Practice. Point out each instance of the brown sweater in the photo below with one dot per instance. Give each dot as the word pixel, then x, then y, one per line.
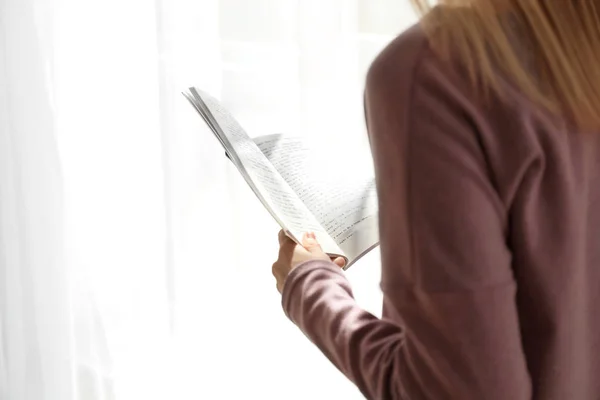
pixel 490 258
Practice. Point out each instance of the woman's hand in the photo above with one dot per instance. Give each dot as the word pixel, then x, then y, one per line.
pixel 291 255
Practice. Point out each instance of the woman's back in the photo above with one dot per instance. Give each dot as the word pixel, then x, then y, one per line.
pixel 484 124
pixel 490 245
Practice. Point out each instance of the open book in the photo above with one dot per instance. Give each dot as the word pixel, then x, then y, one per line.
pixel 304 188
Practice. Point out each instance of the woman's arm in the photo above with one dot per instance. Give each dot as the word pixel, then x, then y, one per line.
pixel 450 328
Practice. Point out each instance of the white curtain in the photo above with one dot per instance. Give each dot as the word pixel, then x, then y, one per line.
pixel 134 261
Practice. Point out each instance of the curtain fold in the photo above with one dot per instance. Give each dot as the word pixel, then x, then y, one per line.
pixel 35 318
pixel 134 260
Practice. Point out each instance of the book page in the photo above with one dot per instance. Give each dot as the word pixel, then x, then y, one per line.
pixel 266 182
pixel 339 190
pixel 206 116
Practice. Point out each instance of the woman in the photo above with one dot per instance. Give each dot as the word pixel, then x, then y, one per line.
pixel 484 124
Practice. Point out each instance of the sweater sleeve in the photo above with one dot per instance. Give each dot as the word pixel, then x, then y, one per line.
pixel 450 328
pixel 318 298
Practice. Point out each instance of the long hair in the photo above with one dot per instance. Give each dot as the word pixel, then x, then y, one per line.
pixel 549 49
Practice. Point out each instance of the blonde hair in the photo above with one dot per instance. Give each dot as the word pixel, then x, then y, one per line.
pixel 549 49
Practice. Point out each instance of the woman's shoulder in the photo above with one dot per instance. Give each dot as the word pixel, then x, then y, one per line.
pixel 409 62
pixel 409 67
pixel 399 59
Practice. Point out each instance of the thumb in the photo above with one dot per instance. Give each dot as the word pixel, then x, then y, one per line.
pixel 339 261
pixel 309 241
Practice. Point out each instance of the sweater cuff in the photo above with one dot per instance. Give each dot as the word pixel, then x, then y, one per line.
pixel 299 273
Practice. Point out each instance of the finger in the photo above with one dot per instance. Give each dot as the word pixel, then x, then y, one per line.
pixel 286 248
pixel 339 261
pixel 278 274
pixel 309 241
pixel 283 237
